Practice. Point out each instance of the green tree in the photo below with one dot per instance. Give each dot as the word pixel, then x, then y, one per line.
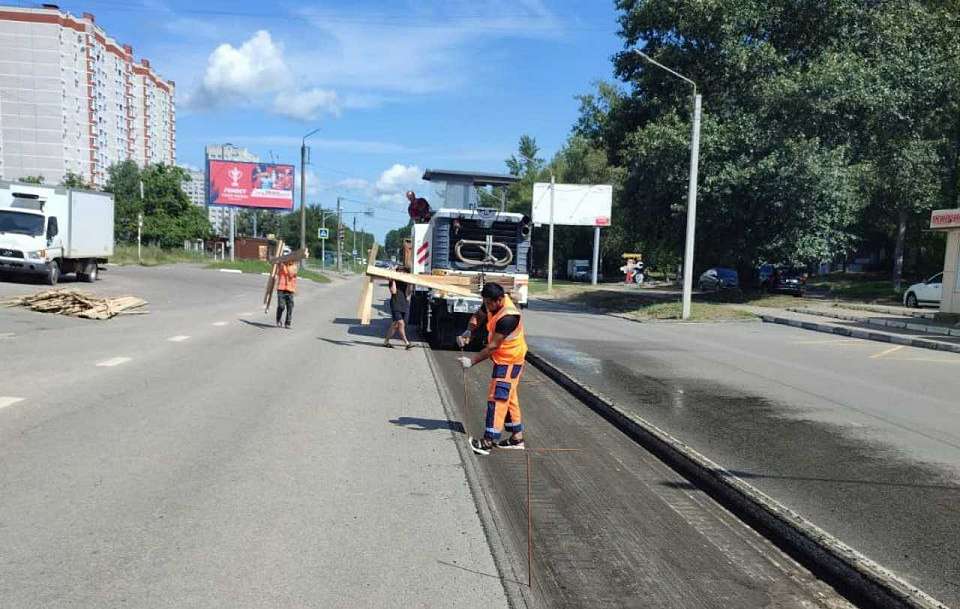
pixel 38 179
pixel 74 180
pixel 169 218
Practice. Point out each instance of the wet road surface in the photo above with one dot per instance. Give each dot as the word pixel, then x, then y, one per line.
pixel 612 525
pixel 860 438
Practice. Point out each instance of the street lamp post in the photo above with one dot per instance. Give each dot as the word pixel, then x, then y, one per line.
pixel 691 189
pixel 303 191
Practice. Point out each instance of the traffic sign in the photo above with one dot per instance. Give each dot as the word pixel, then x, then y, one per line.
pixel 323 233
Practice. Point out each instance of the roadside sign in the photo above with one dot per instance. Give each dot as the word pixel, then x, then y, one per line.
pixel 323 233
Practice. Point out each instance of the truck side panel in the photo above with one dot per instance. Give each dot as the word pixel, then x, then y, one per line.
pixel 90 230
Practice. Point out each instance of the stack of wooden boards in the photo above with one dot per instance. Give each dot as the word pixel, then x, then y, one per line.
pixel 78 304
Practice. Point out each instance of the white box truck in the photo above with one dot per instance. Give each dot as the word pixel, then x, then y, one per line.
pixel 50 230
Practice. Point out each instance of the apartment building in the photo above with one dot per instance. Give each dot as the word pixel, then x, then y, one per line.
pixel 73 99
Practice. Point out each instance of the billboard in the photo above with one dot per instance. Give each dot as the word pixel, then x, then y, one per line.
pixel 240 184
pixel 573 204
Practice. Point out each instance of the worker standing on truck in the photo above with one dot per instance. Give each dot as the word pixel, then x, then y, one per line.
pixel 286 288
pixel 507 348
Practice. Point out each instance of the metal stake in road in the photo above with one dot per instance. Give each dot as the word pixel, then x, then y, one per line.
pixel 303 192
pixel 691 190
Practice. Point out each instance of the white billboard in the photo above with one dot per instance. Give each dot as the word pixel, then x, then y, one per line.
pixel 573 204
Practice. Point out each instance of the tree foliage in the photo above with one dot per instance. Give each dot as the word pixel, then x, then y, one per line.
pixel 825 124
pixel 169 218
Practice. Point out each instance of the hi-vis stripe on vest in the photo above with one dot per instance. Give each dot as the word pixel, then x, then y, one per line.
pixel 514 347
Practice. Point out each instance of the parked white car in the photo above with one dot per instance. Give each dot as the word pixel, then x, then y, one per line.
pixel 927 293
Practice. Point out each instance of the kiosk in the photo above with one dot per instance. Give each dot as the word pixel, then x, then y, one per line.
pixel 948 220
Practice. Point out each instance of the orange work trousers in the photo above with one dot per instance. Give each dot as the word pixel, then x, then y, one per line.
pixel 503 403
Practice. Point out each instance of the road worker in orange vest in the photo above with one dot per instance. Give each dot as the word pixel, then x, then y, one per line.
pixel 286 288
pixel 507 348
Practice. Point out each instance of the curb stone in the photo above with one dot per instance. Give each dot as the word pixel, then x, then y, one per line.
pixel 884 323
pixel 863 580
pixel 883 337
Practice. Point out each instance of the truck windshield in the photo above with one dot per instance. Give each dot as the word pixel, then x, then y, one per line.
pixel 21 223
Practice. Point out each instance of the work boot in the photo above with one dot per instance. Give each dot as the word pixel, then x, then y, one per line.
pixel 512 443
pixel 483 446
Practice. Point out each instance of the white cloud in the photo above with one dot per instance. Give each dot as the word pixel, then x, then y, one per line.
pixel 245 72
pixel 393 183
pixel 306 105
pixel 358 184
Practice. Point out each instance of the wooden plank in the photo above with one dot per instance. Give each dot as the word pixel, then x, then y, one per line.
pixel 367 304
pixel 272 280
pixel 291 257
pixel 421 280
pixel 364 307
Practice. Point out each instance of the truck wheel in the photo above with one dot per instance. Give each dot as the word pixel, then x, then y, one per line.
pixel 91 273
pixel 53 273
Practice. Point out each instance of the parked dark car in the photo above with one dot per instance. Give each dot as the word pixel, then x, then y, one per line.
pixel 718 279
pixel 788 281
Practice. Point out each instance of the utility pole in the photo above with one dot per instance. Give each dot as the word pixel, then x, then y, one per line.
pixel 691 187
pixel 339 241
pixel 303 192
pixel 553 187
pixel 691 207
pixel 354 239
pixel 323 242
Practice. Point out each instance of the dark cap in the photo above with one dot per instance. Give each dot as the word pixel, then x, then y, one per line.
pixel 493 291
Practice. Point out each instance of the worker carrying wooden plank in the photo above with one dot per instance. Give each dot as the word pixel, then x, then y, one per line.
pixel 507 348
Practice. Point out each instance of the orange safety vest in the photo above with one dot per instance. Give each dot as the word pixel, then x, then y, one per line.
pixel 513 349
pixel 287 277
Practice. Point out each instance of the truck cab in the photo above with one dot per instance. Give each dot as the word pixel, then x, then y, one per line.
pixel 469 241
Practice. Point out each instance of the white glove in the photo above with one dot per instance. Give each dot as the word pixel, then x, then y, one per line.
pixel 464 339
pixel 466 362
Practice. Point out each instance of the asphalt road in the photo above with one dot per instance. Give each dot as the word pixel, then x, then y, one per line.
pixel 612 525
pixel 862 438
pixel 198 456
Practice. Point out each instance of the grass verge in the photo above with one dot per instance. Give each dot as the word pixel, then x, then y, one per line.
pixel 153 256
pixel 641 308
pixel 261 266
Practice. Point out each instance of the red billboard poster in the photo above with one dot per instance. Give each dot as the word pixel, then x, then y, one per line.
pixel 240 184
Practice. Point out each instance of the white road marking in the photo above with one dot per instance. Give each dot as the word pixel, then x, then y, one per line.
pixel 220 323
pixel 230 271
pixel 829 341
pixel 6 400
pixel 178 339
pixel 5 335
pixel 116 361
pixel 886 352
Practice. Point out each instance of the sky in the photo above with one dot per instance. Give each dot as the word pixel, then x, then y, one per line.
pixel 394 87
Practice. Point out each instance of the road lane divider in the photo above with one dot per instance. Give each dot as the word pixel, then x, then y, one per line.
pixel 110 363
pixel 178 339
pixel 865 582
pixel 7 400
pixel 220 324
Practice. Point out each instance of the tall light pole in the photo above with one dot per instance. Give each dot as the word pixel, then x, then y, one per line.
pixel 303 191
pixel 691 188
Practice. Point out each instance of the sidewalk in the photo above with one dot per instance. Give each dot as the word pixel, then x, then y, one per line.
pixel 869 326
